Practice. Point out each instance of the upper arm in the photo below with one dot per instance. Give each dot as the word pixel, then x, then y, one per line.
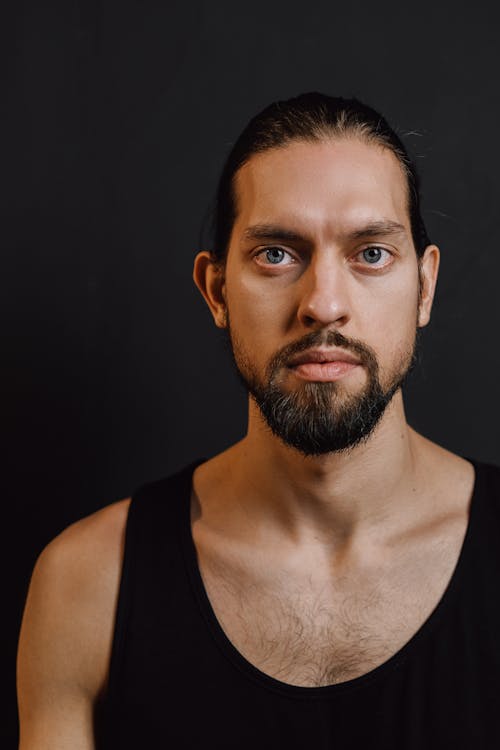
pixel 66 633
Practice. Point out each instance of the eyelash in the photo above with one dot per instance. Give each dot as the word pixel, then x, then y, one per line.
pixel 367 265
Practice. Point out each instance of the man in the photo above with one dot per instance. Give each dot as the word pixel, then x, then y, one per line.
pixel 330 580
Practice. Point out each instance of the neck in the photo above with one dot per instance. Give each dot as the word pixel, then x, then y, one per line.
pixel 334 497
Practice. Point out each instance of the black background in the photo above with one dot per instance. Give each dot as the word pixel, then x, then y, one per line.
pixel 117 116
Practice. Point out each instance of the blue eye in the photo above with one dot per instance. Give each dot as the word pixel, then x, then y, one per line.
pixel 372 254
pixel 274 254
pixel 375 256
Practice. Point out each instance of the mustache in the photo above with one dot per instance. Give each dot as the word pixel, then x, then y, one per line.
pixel 362 351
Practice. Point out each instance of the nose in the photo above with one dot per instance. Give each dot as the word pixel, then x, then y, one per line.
pixel 324 296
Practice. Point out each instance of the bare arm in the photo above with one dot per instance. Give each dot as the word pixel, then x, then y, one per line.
pixel 66 633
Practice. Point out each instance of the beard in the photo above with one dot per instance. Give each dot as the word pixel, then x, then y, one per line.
pixel 317 418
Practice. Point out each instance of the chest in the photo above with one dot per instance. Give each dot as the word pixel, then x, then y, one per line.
pixel 307 629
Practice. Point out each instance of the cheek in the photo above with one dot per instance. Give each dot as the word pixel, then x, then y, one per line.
pixel 256 308
pixel 390 321
pixel 249 321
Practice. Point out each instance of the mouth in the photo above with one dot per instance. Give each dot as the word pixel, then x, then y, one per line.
pixel 323 371
pixel 323 365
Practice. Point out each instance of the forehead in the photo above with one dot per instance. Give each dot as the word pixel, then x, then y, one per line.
pixel 328 186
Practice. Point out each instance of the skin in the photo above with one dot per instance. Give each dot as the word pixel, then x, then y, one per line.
pixel 329 514
pixel 324 192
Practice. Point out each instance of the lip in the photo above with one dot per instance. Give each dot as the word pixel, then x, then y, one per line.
pixel 323 372
pixel 320 356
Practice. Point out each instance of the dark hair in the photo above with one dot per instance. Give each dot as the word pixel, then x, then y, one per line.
pixel 310 117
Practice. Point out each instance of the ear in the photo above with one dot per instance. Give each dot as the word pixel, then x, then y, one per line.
pixel 429 267
pixel 209 278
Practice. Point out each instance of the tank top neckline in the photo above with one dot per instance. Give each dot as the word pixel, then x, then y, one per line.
pixel 252 672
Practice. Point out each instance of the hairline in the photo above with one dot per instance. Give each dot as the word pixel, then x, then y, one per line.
pixel 319 135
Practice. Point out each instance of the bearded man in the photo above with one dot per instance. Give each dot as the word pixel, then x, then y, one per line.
pixel 329 580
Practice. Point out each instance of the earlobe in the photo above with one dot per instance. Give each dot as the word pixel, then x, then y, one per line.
pixel 209 278
pixel 429 267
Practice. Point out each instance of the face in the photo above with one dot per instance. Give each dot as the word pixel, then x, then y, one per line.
pixel 321 258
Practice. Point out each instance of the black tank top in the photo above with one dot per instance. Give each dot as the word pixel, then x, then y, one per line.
pixel 176 681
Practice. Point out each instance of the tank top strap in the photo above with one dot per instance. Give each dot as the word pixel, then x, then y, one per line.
pixel 490 477
pixel 153 570
pixel 157 506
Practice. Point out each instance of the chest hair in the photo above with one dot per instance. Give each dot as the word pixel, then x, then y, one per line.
pixel 308 631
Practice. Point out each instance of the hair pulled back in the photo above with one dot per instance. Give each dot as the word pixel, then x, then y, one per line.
pixel 310 117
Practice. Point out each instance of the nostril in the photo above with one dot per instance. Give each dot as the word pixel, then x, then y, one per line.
pixel 324 314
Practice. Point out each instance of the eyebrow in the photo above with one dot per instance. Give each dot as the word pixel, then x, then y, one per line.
pixel 275 232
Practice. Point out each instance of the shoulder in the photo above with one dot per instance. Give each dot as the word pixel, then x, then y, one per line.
pixel 100 533
pixel 67 630
pixel 460 477
pixel 67 626
pixel 82 563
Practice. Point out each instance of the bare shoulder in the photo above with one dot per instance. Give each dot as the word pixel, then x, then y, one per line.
pixel 92 541
pixel 450 474
pixel 75 580
pixel 67 628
